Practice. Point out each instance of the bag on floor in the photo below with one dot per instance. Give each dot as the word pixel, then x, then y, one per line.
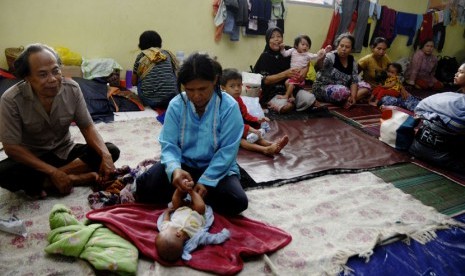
pixel 446 69
pixel 251 84
pixel 397 127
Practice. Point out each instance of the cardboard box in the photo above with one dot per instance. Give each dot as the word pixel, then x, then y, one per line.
pixel 71 71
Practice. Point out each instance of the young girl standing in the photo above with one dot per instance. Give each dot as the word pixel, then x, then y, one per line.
pixel 300 58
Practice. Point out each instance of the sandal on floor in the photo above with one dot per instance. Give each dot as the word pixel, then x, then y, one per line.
pixel 348 105
pixel 319 108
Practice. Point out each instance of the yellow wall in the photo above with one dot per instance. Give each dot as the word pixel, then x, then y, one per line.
pixel 111 28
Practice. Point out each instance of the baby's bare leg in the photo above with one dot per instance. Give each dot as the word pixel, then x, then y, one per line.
pixel 289 89
pixel 178 199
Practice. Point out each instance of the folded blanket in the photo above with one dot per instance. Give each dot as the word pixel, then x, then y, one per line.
pixel 101 247
pixel 249 238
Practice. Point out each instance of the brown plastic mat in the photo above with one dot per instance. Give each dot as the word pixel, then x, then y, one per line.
pixel 316 146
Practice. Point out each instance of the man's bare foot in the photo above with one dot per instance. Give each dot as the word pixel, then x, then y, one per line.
pixel 41 195
pixel 84 179
pixel 281 144
pixel 374 103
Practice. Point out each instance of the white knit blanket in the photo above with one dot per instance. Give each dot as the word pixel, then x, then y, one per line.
pixel 334 217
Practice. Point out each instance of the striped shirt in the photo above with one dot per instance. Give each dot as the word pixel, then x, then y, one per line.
pixel 159 86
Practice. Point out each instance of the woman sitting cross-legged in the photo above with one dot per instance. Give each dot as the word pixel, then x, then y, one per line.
pixel 338 81
pixel 276 69
pixel 199 143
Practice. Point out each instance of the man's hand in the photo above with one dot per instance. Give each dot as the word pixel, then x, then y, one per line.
pixel 107 168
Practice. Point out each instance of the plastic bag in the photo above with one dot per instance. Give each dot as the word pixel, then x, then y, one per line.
pixel 253 106
pixel 69 57
pixel 446 69
pixel 311 75
pixel 13 225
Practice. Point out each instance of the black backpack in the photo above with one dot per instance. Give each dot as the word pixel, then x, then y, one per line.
pixel 446 69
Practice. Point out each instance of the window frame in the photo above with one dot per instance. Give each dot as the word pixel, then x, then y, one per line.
pixel 312 3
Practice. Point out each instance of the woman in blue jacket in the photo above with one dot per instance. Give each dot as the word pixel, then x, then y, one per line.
pixel 199 143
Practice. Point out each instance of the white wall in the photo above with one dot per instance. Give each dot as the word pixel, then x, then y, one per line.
pixel 111 28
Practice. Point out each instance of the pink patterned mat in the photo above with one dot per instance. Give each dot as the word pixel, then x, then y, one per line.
pixel 330 218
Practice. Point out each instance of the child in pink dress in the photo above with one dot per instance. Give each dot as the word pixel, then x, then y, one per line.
pixel 300 58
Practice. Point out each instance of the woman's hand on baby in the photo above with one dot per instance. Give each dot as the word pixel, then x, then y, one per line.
pixel 182 180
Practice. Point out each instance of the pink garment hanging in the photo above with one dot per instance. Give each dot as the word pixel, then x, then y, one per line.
pixel 426 29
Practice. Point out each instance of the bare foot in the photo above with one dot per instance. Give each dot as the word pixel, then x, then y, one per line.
pixel 281 144
pixel 271 150
pixel 84 179
pixel 41 195
pixel 373 103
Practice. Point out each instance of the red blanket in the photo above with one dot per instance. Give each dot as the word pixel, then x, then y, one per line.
pixel 137 223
